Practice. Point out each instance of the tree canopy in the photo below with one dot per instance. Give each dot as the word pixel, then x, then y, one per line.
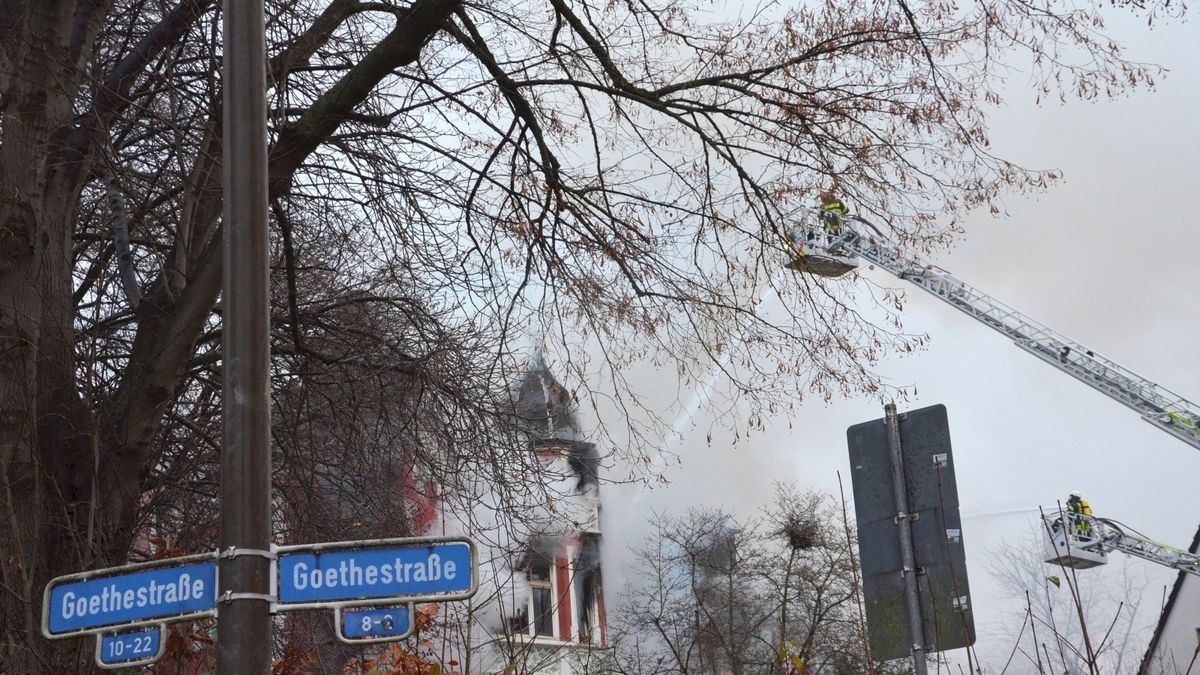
pixel 449 182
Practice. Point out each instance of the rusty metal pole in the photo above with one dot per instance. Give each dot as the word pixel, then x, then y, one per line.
pixel 244 610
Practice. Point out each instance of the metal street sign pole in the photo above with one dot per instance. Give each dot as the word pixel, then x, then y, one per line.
pixel 903 522
pixel 244 627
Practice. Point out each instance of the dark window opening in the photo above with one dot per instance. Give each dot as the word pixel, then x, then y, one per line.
pixel 541 595
pixel 519 622
pixel 585 594
pixel 587 589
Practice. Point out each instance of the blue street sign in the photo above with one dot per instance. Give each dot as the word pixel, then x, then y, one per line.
pixel 375 625
pixel 356 572
pixel 128 649
pixel 140 593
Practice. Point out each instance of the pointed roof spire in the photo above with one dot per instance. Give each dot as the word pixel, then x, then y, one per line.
pixel 543 404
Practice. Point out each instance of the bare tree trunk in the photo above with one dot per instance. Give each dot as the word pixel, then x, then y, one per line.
pixel 45 449
pixel 48 451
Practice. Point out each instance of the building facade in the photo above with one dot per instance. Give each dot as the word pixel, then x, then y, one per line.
pixel 1175 646
pixel 559 627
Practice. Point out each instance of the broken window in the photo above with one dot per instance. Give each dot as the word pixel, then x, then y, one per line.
pixel 541 595
pixel 538 616
pixel 587 590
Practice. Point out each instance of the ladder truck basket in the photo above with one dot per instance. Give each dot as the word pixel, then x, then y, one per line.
pixel 817 251
pixel 1074 541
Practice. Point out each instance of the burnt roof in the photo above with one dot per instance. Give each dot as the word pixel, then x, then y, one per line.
pixel 543 406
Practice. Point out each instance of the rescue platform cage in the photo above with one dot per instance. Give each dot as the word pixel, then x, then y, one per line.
pixel 818 249
pixel 1073 540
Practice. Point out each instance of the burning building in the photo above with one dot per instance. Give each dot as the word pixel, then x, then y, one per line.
pixel 540 607
pixel 563 565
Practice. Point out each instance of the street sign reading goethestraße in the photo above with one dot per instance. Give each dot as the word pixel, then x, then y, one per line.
pixel 346 573
pixel 370 572
pixel 138 594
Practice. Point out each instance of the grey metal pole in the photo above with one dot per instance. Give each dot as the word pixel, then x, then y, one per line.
pixel 244 612
pixel 904 522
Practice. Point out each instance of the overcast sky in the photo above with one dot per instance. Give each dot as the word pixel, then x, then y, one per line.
pixel 1108 258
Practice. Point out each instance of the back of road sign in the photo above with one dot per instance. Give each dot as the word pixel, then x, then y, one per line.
pixel 937 534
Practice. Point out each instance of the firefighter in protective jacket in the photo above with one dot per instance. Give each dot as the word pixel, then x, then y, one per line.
pixel 1076 504
pixel 833 213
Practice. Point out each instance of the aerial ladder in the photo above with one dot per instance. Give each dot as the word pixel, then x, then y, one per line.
pixel 831 245
pixel 1082 541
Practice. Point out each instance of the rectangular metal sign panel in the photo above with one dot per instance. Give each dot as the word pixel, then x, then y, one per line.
pixel 346 573
pixel 130 649
pixel 374 624
pixel 932 494
pixel 167 590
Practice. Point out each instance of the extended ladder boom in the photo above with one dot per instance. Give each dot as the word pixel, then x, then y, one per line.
pixel 1164 409
pixel 1086 541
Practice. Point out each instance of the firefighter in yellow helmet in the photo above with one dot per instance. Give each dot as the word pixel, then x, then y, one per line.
pixel 1077 504
pixel 833 213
